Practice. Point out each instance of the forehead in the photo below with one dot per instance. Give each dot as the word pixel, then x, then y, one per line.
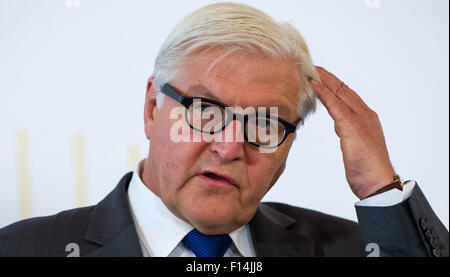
pixel 243 80
pixel 200 90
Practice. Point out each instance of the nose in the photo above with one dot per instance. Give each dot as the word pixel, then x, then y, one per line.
pixel 228 145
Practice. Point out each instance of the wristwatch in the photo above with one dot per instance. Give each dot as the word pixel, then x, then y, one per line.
pixel 396 184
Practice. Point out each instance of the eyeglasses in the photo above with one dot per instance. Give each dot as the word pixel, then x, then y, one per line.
pixel 264 131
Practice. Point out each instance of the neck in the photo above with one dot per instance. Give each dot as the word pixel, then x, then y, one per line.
pixel 146 176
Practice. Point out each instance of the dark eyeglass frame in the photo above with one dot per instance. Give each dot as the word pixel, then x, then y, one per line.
pixel 188 101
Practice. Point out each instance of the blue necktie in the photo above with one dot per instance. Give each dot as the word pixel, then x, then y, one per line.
pixel 205 245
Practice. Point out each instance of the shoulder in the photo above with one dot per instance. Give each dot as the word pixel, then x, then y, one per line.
pixel 332 233
pixel 40 235
pixel 315 219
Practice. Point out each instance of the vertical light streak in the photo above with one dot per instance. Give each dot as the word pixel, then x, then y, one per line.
pixel 23 171
pixel 79 170
pixel 133 157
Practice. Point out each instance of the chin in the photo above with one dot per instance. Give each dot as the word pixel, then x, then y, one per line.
pixel 214 221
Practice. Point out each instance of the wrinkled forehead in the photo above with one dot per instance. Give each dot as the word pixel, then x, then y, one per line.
pixel 244 80
pixel 256 105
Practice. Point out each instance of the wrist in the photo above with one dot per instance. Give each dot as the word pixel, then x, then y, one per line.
pixel 395 184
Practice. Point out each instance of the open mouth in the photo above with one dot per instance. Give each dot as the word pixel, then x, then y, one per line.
pixel 218 178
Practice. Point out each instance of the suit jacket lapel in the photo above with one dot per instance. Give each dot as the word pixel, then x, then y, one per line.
pixel 271 238
pixel 112 226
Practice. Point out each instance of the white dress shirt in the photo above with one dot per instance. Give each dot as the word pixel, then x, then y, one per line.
pixel 160 232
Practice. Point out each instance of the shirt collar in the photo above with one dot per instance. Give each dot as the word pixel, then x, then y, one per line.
pixel 160 230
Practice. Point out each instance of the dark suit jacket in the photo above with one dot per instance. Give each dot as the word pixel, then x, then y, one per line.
pixel 107 229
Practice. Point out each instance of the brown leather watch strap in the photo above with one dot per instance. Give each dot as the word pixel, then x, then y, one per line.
pixel 397 184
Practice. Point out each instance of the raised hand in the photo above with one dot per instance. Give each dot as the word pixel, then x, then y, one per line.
pixel 366 159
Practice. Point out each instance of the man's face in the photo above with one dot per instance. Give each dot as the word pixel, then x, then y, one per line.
pixel 175 170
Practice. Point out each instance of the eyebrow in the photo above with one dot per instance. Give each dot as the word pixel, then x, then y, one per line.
pixel 202 91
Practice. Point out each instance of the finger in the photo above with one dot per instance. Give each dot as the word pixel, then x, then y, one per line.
pixel 342 91
pixel 337 109
pixel 328 79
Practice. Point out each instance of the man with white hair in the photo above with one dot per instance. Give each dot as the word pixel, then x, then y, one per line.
pixel 238 85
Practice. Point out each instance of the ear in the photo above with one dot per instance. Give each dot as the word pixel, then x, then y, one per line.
pixel 150 107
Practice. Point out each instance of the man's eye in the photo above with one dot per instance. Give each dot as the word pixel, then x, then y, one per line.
pixel 265 123
pixel 201 108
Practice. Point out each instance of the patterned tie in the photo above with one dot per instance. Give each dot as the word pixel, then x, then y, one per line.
pixel 207 246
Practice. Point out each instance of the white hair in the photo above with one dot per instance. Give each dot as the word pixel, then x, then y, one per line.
pixel 231 27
